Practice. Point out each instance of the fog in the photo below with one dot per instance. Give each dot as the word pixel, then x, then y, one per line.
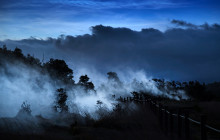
pixel 20 82
pixel 184 52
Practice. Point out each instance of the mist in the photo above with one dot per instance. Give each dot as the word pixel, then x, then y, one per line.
pixel 23 83
pixel 188 53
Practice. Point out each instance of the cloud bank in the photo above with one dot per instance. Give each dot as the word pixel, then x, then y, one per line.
pixel 189 53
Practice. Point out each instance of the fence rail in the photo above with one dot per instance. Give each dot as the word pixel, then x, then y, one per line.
pixel 163 114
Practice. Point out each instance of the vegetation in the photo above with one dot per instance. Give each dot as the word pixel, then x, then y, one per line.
pixel 122 118
pixel 84 82
pixel 61 73
pixel 194 89
pixel 60 103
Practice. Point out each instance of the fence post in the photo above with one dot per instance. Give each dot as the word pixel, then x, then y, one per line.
pixel 187 125
pixel 154 107
pixel 179 123
pixel 151 105
pixel 138 99
pixel 165 119
pixel 171 122
pixel 203 128
pixel 160 115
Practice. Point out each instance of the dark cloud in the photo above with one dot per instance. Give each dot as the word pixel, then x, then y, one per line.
pixel 205 26
pixel 177 54
pixel 183 23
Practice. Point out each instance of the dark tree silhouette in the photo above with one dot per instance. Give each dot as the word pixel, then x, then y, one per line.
pixel 160 83
pixel 84 81
pixel 99 104
pixel 197 90
pixel 60 70
pixel 25 110
pixel 60 103
pixel 33 61
pixel 18 52
pixel 4 48
pixel 113 77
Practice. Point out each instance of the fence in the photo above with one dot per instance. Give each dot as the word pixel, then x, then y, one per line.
pixel 166 116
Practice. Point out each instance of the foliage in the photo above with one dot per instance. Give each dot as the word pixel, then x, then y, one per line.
pixel 25 107
pixel 60 70
pixel 193 89
pixel 57 69
pixel 113 76
pixel 99 104
pixel 25 110
pixel 84 81
pixel 60 103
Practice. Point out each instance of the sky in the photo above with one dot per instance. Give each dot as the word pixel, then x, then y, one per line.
pixel 170 39
pixel 21 19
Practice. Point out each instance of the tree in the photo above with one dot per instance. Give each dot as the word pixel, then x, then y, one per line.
pixel 18 53
pixel 113 77
pixel 25 107
pixel 60 103
pixel 84 81
pixel 33 61
pixel 59 69
pixel 99 104
pixel 4 48
pixel 25 110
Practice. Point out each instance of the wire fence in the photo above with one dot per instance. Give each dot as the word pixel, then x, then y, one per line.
pixel 164 115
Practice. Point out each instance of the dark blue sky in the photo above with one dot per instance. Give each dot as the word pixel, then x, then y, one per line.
pixel 49 18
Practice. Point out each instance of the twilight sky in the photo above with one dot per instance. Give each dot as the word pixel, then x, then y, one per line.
pixel 21 19
pixel 171 39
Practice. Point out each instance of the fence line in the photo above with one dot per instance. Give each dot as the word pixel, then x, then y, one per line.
pixel 186 118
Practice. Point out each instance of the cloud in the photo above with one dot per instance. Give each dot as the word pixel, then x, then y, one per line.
pixel 111 4
pixel 183 23
pixel 176 54
pixel 94 4
pixel 206 26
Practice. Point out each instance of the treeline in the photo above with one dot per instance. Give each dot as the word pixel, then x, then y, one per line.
pixel 194 89
pixel 59 70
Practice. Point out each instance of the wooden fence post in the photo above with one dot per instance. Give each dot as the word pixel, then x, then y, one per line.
pixel 203 128
pixel 160 115
pixel 154 107
pixel 165 119
pixel 151 105
pixel 171 122
pixel 187 125
pixel 179 123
